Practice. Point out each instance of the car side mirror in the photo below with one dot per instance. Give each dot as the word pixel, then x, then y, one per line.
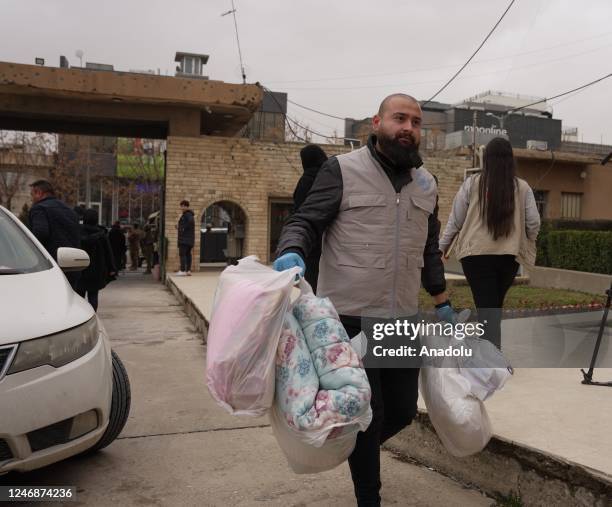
pixel 72 259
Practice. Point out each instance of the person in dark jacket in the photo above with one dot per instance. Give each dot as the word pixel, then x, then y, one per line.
pixel 118 244
pixel 186 238
pixel 53 223
pixel 101 267
pixel 377 207
pixel 313 157
pixel 134 238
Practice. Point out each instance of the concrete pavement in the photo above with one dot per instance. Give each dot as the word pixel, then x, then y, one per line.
pixel 546 410
pixel 180 448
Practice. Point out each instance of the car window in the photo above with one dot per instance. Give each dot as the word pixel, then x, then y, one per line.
pixel 18 254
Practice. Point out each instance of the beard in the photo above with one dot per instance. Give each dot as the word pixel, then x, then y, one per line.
pixel 401 149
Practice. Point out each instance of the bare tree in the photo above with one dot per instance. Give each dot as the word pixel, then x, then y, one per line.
pixel 140 173
pixel 296 132
pixel 22 154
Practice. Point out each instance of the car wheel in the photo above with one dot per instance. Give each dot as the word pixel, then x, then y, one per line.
pixel 120 405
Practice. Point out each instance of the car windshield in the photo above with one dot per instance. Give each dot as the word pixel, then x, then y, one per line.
pixel 17 252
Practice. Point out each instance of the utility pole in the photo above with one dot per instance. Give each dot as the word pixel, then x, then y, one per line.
pixel 88 176
pixel 474 139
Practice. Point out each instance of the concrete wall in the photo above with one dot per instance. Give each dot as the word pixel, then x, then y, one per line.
pixel 567 279
pixel 48 99
pixel 597 188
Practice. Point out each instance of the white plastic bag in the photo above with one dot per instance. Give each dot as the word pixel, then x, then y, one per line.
pixel 485 381
pixel 459 418
pixel 487 370
pixel 304 458
pixel 247 316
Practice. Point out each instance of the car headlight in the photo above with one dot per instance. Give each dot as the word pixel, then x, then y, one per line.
pixel 58 349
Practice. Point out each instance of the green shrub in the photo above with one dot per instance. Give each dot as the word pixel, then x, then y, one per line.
pixel 564 224
pixel 579 250
pixel 542 244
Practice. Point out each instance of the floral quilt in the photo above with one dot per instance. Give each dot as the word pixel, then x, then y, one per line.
pixel 321 386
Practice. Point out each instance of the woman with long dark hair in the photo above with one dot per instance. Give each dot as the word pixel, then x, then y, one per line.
pixel 496 219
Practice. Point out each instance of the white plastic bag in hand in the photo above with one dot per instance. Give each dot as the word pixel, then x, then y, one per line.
pixel 247 316
pixel 460 419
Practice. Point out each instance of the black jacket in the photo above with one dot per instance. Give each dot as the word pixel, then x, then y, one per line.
pixel 304 227
pixel 186 229
pixel 101 262
pixel 313 157
pixel 117 241
pixel 55 225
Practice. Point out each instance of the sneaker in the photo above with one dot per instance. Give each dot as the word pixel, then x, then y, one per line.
pixel 188 273
pixel 180 273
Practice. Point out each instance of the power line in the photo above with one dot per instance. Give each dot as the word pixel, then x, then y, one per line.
pixel 561 94
pixel 466 76
pixel 508 112
pixel 426 69
pixel 288 119
pixel 473 54
pixel 314 110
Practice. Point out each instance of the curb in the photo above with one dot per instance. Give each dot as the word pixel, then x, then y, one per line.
pixel 192 311
pixel 507 469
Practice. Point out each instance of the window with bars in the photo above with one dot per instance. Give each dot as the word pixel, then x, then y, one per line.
pixel 571 205
pixel 541 199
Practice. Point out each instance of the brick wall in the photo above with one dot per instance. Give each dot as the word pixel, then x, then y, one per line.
pixel 449 169
pixel 249 173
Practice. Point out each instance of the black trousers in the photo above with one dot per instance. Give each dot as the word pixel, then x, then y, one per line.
pixel 490 277
pixel 92 295
pixel 73 279
pixel 394 406
pixel 185 256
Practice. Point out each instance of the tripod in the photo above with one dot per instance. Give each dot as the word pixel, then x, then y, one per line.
pixel 588 376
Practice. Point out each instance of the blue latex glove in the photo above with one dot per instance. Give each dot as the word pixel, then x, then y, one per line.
pixel 448 314
pixel 289 260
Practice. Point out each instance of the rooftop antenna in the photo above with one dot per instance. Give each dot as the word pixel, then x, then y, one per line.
pixel 79 54
pixel 233 13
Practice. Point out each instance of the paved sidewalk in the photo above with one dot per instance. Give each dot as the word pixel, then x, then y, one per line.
pixel 546 409
pixel 179 448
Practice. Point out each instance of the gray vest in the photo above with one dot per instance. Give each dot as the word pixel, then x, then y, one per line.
pixel 372 254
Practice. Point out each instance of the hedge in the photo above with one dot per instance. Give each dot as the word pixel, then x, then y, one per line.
pixel 550 225
pixel 589 251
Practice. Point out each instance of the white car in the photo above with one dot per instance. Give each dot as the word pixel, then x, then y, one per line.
pixel 62 390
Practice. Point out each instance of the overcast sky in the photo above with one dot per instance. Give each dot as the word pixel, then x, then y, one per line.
pixel 342 57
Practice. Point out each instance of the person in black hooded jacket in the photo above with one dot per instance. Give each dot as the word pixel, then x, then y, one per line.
pixel 102 268
pixel 313 157
pixel 186 238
